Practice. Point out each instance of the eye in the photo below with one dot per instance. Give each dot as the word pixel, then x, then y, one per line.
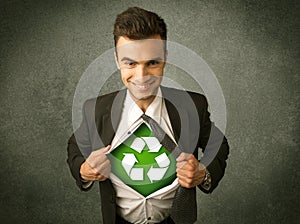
pixel 153 62
pixel 130 63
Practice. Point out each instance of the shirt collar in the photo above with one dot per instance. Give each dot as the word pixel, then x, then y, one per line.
pixel 154 109
pixel 133 112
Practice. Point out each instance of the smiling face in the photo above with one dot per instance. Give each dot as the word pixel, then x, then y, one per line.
pixel 141 64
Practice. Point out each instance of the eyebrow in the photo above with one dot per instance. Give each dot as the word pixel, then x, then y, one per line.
pixel 153 59
pixel 127 59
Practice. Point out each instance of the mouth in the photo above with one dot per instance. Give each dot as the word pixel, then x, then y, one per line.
pixel 144 86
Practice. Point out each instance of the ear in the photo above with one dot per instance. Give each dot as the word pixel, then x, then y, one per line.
pixel 166 57
pixel 116 59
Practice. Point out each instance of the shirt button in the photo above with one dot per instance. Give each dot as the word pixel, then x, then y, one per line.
pixel 129 132
pixel 149 218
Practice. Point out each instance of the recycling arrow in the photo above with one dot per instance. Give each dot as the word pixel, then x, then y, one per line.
pixel 128 162
pixel 138 144
pixel 153 144
pixel 162 160
pixel 158 173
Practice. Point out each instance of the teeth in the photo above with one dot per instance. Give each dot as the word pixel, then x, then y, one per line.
pixel 142 86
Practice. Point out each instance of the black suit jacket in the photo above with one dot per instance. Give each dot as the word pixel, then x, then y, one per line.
pixel 190 123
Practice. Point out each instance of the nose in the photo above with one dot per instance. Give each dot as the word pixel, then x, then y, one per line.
pixel 141 71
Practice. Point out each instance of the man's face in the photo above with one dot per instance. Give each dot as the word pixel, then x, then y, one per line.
pixel 141 64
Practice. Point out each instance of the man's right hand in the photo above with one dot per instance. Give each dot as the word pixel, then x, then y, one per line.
pixel 97 166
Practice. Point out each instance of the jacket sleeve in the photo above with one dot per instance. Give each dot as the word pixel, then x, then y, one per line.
pixel 214 146
pixel 79 147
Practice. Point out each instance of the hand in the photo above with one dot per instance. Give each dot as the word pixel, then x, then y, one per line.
pixel 190 171
pixel 97 166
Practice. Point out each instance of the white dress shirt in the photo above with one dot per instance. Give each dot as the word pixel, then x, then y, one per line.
pixel 131 205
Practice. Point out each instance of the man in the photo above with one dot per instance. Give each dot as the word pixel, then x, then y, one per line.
pixel 141 53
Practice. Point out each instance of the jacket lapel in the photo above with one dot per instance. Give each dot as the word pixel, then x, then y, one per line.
pixel 172 112
pixel 111 117
pixel 181 111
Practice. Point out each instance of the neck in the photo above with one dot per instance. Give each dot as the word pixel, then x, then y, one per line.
pixel 144 103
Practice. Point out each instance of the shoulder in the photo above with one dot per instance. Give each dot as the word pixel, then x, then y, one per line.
pixel 104 101
pixel 108 98
pixel 183 95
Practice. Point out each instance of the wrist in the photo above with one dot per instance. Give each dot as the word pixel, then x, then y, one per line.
pixel 206 183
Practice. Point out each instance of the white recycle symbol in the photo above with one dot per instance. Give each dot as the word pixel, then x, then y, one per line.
pixel 138 173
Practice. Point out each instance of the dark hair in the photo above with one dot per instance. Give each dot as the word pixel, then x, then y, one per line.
pixel 137 24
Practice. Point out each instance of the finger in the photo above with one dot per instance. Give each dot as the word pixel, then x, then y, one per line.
pixel 102 166
pixel 97 158
pixel 106 149
pixel 86 171
pixel 180 165
pixel 185 166
pixel 97 176
pixel 202 166
pixel 193 162
pixel 93 172
pixel 183 157
pixel 104 173
pixel 101 151
pixel 106 170
pixel 191 174
pixel 183 174
pixel 190 182
pixel 95 162
pixel 90 177
pixel 187 184
pixel 101 177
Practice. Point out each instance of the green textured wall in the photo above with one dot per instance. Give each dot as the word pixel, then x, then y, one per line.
pixel 252 47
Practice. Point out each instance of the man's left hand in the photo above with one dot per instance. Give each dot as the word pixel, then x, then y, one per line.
pixel 190 171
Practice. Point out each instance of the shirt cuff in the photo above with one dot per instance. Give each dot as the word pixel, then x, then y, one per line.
pixel 86 183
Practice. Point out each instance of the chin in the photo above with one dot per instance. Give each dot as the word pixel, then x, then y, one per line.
pixel 143 96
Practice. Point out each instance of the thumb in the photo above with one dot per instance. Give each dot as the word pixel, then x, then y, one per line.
pixel 106 149
pixel 100 151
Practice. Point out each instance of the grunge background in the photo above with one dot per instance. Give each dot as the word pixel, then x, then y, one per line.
pixel 253 49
